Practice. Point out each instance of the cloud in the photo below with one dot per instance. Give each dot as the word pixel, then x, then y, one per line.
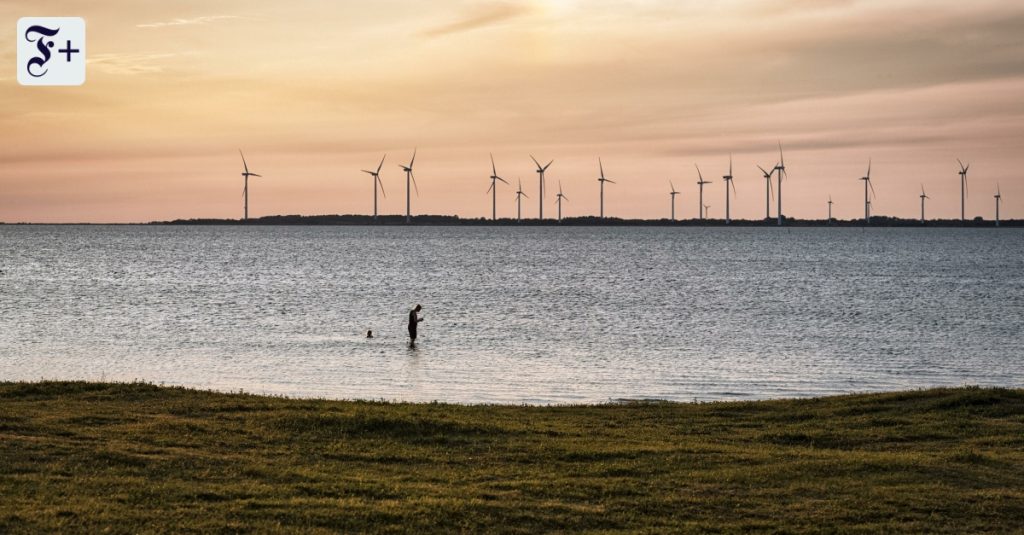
pixel 186 22
pixel 479 18
pixel 128 63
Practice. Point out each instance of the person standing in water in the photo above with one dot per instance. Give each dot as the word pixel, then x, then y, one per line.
pixel 414 320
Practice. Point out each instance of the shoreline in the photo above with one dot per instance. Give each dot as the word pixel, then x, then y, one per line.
pixel 690 399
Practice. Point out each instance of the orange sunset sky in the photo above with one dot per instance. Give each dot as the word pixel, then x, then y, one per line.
pixel 314 91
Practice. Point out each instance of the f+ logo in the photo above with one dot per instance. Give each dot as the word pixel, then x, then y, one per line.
pixel 38 37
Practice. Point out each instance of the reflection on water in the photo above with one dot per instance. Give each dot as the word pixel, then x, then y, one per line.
pixel 523 315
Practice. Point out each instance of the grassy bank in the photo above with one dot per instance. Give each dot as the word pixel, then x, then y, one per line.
pixel 130 458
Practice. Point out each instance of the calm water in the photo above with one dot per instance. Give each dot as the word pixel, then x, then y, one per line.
pixel 521 315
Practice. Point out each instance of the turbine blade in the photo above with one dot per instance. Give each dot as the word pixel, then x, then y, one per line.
pixel 490 188
pixel 254 174
pixel 733 183
pixel 870 185
pixel 368 172
pixel 730 164
pixel 381 163
pixel 502 179
pixel 869 168
pixel 961 164
pixel 494 170
pixel 381 186
pixel 700 176
pixel 414 184
pixel 548 165
pixel 245 165
pixel 771 190
pixel 413 161
pixel 535 161
pixel 601 166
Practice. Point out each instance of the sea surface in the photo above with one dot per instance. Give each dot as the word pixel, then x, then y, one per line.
pixel 515 315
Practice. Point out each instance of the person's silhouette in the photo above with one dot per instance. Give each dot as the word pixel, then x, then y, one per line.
pixel 414 320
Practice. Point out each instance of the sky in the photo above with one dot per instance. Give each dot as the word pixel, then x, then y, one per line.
pixel 316 91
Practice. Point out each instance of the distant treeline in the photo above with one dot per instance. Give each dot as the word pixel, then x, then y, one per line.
pixel 879 221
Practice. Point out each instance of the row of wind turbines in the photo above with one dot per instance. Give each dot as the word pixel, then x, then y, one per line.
pixel 778 171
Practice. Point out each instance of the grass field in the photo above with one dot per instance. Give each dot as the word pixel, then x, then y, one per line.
pixel 91 458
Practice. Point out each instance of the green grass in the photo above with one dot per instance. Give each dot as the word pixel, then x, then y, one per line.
pixel 91 458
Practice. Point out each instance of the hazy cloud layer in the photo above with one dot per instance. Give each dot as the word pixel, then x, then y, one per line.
pixel 479 17
pixel 186 22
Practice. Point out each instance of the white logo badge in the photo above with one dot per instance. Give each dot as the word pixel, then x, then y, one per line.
pixel 51 51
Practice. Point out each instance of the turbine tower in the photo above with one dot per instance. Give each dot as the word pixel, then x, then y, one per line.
pixel 602 180
pixel 673 196
pixel 245 190
pixel 410 180
pixel 963 187
pixel 707 207
pixel 728 182
pixel 519 202
pixel 561 196
pixel 923 197
pixel 376 181
pixel 540 171
pixel 867 200
pixel 999 198
pixel 493 190
pixel 700 184
pixel 781 168
pixel 768 195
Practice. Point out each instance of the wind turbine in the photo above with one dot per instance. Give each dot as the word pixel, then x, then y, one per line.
pixel 245 190
pixel 707 207
pixel 923 197
pixel 540 171
pixel 376 182
pixel 963 186
pixel 768 190
pixel 829 209
pixel 781 168
pixel 602 180
pixel 728 182
pixel 867 201
pixel 409 180
pixel 673 195
pixel 700 183
pixel 559 199
pixel 493 190
pixel 999 198
pixel 519 202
